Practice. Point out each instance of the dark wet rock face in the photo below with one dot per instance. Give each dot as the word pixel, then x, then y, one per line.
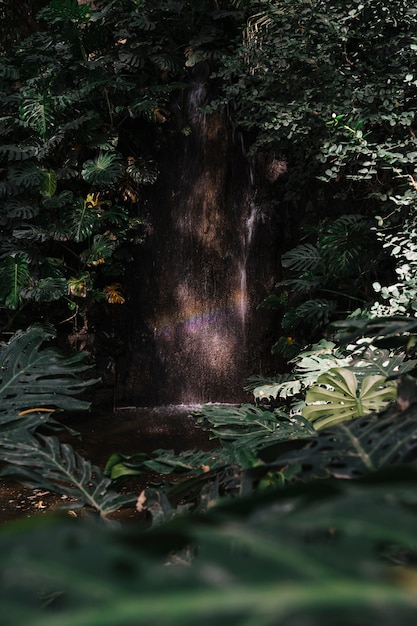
pixel 191 330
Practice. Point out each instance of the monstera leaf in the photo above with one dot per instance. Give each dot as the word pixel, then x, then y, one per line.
pixel 338 396
pixel 35 380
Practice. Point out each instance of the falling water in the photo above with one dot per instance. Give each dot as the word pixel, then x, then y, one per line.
pixel 247 234
pixel 190 344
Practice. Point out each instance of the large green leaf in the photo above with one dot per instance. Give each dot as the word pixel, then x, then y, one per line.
pixel 32 377
pixel 14 277
pixel 37 111
pixel 106 169
pixel 252 427
pixel 338 396
pixel 45 463
pixel 303 258
pixel 309 365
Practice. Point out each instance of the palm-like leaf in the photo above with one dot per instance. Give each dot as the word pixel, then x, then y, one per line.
pixel 342 244
pixel 34 377
pixel 80 220
pixel 47 289
pixel 100 251
pixel 386 331
pixel 142 171
pixel 45 463
pixel 26 174
pixel 338 396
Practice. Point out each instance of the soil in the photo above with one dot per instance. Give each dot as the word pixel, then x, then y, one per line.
pixel 129 431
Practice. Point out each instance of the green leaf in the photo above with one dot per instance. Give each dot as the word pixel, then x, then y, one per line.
pixel 34 377
pixel 337 397
pixel 80 220
pixel 14 277
pixel 46 290
pixel 106 169
pixel 45 463
pixel 253 428
pixel 49 184
pixel 36 110
pixel 303 258
pixel 270 559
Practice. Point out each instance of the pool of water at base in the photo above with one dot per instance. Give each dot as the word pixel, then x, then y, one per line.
pixel 128 430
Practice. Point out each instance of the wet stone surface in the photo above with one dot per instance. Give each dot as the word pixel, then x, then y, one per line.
pixel 129 431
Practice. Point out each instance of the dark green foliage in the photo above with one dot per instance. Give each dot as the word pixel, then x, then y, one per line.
pixel 43 462
pixel 253 427
pixel 350 121
pixel 35 382
pixel 392 332
pixel 329 88
pixel 83 102
pixel 362 445
pixel 34 377
pixel 335 552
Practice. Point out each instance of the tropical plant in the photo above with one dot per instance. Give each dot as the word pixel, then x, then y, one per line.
pixel 337 397
pixel 362 445
pixel 84 100
pixel 400 297
pixel 34 384
pixel 326 279
pixel 333 551
pixel 347 139
pixel 351 121
pixel 35 379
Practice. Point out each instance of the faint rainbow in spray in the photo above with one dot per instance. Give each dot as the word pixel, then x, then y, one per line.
pixel 192 319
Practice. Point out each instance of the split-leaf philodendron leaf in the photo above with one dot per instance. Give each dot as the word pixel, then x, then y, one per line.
pixel 338 396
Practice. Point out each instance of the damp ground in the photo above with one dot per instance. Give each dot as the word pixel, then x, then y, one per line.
pixel 129 431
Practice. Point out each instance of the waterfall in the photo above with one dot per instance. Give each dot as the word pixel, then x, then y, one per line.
pixel 195 294
pixel 247 235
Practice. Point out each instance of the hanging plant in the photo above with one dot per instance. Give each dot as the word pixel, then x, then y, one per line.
pixel 338 396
